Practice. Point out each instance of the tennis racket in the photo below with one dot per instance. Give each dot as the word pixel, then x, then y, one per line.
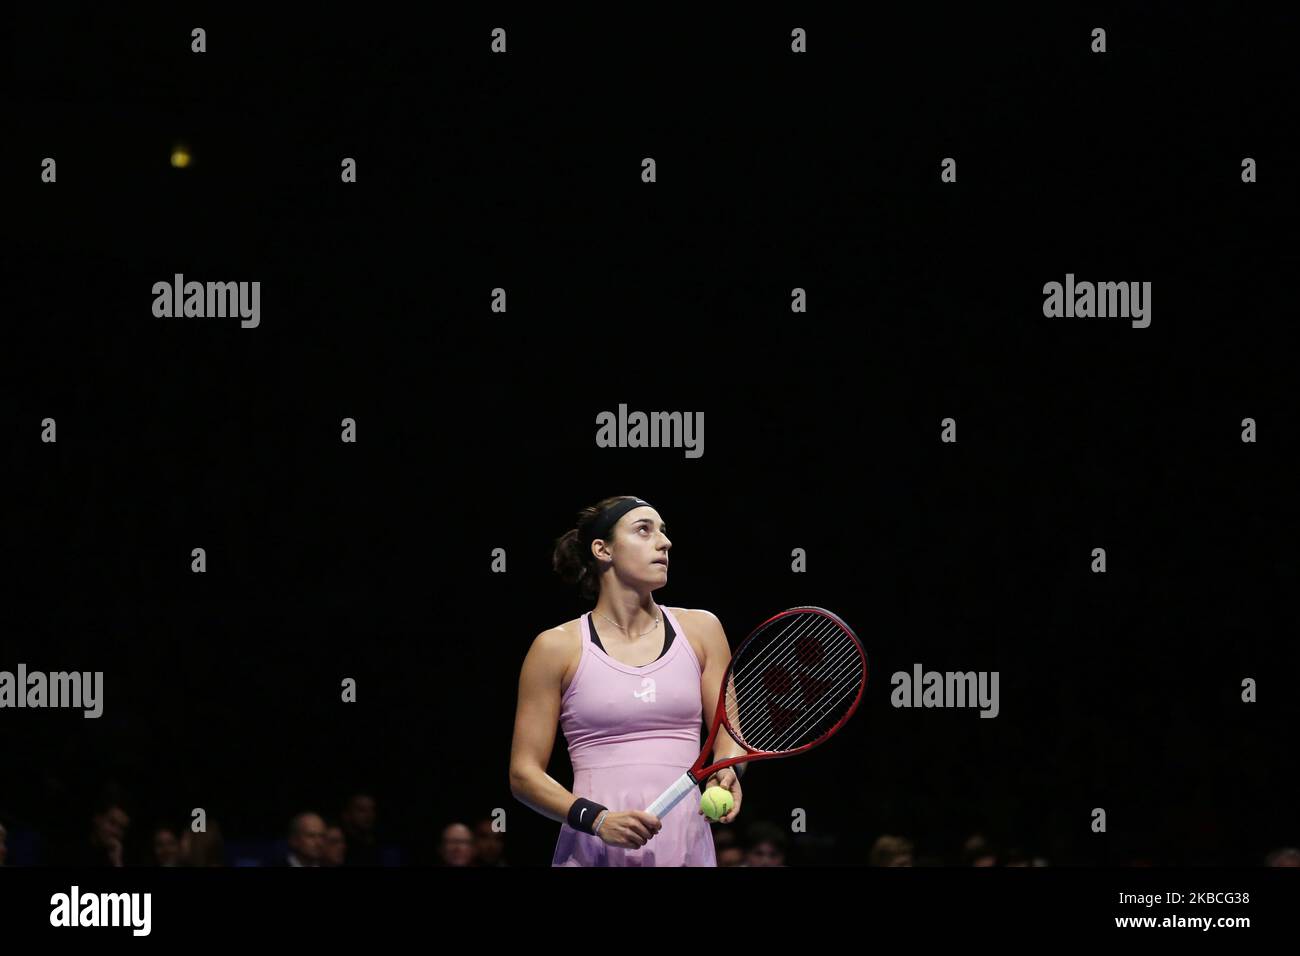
pixel 790 685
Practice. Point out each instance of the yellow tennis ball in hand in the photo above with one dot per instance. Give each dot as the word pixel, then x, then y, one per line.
pixel 716 803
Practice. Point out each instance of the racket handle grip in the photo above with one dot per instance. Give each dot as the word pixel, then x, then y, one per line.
pixel 673 795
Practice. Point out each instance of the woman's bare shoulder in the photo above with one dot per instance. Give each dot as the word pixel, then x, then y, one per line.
pixel 561 637
pixel 698 624
pixel 561 648
pixel 694 618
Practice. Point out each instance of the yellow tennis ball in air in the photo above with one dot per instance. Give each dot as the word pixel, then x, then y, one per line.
pixel 716 803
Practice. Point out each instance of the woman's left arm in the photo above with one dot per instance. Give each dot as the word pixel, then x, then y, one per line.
pixel 717 654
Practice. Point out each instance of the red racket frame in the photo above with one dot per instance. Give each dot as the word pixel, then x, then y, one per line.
pixel 700 771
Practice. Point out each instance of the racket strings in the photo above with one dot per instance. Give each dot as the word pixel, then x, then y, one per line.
pixel 789 688
pixel 817 715
pixel 782 646
pixel 771 674
pixel 810 727
pixel 785 725
pixel 784 719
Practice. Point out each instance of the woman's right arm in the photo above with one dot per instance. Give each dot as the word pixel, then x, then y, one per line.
pixel 537 719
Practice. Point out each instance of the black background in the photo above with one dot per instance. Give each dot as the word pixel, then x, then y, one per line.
pixel 476 429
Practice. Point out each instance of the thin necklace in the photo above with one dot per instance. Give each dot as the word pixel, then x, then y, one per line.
pixel 624 630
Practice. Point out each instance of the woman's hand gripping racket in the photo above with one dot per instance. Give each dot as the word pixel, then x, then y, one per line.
pixel 791 684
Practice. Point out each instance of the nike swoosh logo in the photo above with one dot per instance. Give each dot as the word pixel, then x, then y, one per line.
pixel 584 810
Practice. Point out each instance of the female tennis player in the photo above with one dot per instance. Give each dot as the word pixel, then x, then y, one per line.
pixel 629 683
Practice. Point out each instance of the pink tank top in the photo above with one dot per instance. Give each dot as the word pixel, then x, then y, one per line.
pixel 632 731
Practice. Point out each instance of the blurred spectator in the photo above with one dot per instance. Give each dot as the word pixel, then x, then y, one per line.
pixel 727 848
pixel 1014 857
pixel 358 817
pixel 306 840
pixel 335 849
pixel 767 845
pixel 203 849
pixel 166 849
pixel 108 825
pixel 891 851
pixel 457 846
pixel 489 846
pixel 977 851
pixel 1287 856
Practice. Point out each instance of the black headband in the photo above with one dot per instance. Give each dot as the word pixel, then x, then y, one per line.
pixel 600 525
